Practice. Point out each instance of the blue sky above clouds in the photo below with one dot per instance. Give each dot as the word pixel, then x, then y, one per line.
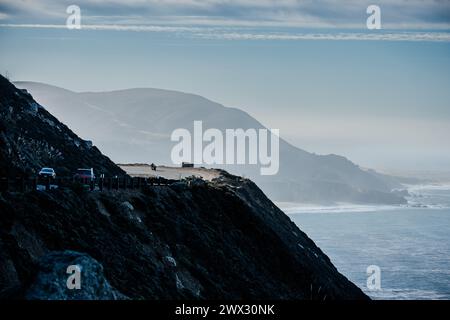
pixel 311 68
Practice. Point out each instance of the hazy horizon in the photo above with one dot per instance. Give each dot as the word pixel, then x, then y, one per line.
pixel 311 144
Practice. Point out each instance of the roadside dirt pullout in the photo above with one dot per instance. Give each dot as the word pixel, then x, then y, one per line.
pixel 142 170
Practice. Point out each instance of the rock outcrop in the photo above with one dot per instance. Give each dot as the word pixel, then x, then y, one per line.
pixel 53 275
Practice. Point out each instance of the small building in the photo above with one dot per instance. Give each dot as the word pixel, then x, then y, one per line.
pixel 187 165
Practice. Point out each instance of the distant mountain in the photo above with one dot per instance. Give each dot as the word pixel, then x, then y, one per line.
pixel 135 125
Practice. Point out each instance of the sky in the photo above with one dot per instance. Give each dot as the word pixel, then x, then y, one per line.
pixel 309 68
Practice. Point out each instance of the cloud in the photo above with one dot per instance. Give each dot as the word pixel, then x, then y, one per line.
pixel 386 36
pixel 402 20
pixel 403 14
pixel 135 28
pixel 225 33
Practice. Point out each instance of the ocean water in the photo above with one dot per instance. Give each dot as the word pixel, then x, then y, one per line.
pixel 410 244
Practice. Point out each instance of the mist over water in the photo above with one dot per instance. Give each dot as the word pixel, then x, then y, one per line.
pixel 411 244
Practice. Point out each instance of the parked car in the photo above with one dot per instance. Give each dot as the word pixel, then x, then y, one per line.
pixel 86 175
pixel 47 172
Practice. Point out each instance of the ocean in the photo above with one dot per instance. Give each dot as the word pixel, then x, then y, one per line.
pixel 410 244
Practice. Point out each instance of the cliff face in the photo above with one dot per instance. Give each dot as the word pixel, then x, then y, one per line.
pixel 223 239
pixel 31 138
pixel 208 240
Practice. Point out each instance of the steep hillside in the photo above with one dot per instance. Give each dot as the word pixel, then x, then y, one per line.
pixel 202 240
pixel 135 126
pixel 31 138
pixel 221 240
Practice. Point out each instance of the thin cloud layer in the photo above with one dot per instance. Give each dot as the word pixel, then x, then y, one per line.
pixel 402 20
pixel 242 34
pixel 429 14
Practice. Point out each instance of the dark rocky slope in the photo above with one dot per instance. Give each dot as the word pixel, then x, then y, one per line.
pixel 31 138
pixel 222 239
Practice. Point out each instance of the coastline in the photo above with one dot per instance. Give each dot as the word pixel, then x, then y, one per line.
pixel 418 198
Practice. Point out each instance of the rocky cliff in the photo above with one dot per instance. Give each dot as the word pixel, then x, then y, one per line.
pixel 31 138
pixel 207 240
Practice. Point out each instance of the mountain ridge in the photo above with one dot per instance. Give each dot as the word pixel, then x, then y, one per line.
pixel 140 122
